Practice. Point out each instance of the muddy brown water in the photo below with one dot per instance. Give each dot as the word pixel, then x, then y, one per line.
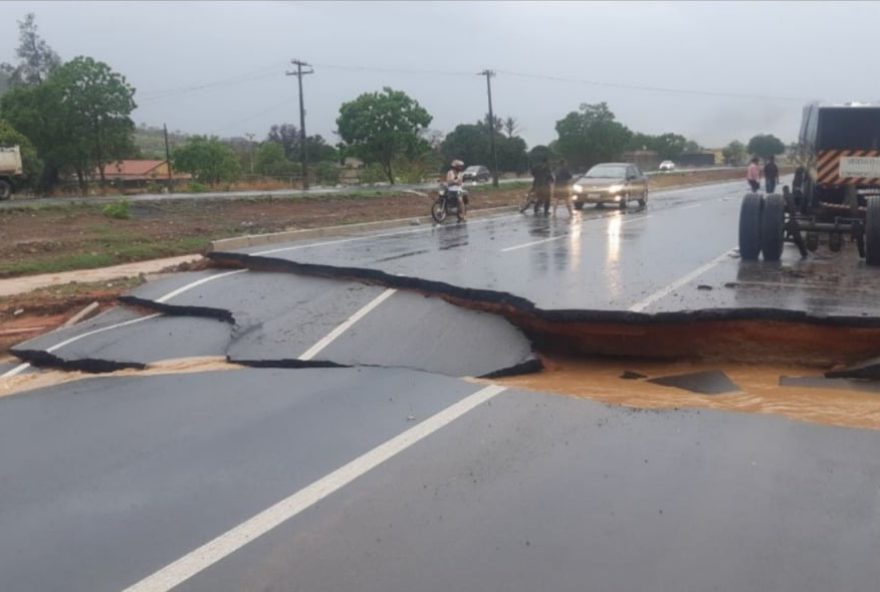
pixel 599 379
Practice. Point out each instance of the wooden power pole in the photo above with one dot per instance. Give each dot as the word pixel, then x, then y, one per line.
pixel 489 74
pixel 303 152
pixel 167 156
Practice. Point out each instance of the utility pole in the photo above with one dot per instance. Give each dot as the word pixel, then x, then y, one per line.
pixel 167 155
pixel 489 74
pixel 250 138
pixel 303 153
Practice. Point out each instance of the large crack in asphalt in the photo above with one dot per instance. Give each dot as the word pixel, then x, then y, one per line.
pixel 840 344
pixel 742 334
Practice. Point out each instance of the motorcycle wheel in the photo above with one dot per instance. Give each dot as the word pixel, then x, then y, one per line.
pixel 438 210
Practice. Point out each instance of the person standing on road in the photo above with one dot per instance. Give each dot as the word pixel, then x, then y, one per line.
pixel 562 187
pixel 771 175
pixel 753 175
pixel 454 182
pixel 542 185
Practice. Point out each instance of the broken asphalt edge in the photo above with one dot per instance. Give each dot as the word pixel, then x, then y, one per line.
pixel 44 359
pixel 523 305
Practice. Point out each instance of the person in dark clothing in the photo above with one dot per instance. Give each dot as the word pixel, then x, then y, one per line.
pixel 542 186
pixel 771 175
pixel 562 187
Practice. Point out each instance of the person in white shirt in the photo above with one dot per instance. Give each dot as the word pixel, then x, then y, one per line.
pixel 454 182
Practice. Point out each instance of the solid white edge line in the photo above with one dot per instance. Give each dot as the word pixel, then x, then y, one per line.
pixel 162 299
pixel 195 284
pixel 665 291
pixel 342 328
pixel 234 539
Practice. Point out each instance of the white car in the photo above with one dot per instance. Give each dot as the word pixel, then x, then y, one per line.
pixel 667 165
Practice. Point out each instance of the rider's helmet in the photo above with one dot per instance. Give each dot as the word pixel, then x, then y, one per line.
pixel 457 164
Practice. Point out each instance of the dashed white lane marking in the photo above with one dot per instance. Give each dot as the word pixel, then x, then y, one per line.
pixel 335 333
pixel 165 298
pixel 227 543
pixel 665 291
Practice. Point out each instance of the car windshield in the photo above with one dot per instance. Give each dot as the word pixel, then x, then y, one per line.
pixel 607 171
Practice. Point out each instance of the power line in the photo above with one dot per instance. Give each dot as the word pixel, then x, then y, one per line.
pixel 239 78
pixel 393 70
pixel 653 88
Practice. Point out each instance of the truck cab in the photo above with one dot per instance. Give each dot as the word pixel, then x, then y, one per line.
pixel 10 170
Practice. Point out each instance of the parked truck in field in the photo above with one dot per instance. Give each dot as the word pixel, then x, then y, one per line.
pixel 835 193
pixel 10 170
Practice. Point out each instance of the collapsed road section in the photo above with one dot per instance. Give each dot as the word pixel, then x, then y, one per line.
pixel 287 320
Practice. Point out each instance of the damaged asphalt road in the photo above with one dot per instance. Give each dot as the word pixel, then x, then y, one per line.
pixel 382 468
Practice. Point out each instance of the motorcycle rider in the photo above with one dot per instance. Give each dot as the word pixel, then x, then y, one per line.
pixel 454 182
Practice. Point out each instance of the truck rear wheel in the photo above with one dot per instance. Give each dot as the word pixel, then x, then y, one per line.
pixel 773 227
pixel 750 226
pixel 5 189
pixel 872 230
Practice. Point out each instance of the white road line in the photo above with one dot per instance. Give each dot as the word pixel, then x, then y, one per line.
pixel 227 543
pixel 645 303
pixel 22 367
pixel 346 325
pixel 426 228
pixel 195 284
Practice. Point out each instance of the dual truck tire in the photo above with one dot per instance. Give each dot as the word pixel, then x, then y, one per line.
pixel 762 228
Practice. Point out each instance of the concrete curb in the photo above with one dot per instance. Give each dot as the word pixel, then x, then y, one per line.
pixel 258 240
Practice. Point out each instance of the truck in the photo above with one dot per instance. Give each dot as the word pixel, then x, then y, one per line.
pixel 10 170
pixel 835 193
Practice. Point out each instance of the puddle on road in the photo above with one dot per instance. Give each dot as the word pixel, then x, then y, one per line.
pixel 27 382
pixel 600 379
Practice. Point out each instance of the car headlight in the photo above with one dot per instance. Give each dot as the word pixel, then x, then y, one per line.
pixel 615 188
pixel 577 188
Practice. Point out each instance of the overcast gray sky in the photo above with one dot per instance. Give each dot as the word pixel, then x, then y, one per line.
pixel 803 51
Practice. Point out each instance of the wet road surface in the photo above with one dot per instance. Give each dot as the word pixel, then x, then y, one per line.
pixel 398 474
pixel 678 254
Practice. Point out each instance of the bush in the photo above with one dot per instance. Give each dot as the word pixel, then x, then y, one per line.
pixel 196 187
pixel 373 173
pixel 327 173
pixel 118 210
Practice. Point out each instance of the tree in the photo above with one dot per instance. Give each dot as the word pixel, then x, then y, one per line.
pixel 383 126
pixel 734 154
pixel 541 153
pixel 471 143
pixel 287 135
pixel 79 119
pixel 270 161
pixel 668 146
pixel 208 159
pixel 98 103
pixel 36 59
pixel 511 126
pixel 31 163
pixel 591 135
pixel 765 146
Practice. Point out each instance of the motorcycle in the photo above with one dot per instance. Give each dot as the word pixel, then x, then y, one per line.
pixel 447 202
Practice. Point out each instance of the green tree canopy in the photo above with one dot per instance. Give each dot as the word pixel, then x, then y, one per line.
pixel 31 163
pixel 270 161
pixel 208 159
pixel 79 119
pixel 383 126
pixel 36 60
pixel 765 146
pixel 591 135
pixel 668 146
pixel 472 144
pixel 734 154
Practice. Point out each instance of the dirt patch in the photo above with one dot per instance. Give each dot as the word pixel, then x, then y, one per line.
pixel 25 316
pixel 27 382
pixel 601 380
